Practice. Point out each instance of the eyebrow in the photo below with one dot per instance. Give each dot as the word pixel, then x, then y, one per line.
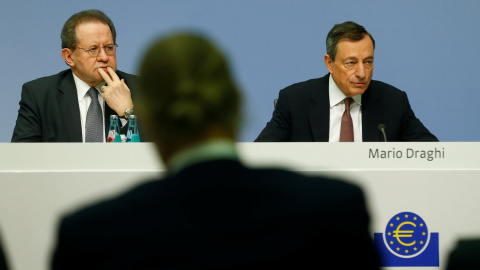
pixel 356 59
pixel 96 45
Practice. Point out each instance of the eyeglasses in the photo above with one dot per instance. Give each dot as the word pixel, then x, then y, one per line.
pixel 95 51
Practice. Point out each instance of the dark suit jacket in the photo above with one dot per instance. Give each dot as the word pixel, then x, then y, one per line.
pixel 466 255
pixel 3 258
pixel 49 110
pixel 221 215
pixel 302 114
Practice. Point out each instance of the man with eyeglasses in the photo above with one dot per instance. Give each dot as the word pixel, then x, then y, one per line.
pixel 75 104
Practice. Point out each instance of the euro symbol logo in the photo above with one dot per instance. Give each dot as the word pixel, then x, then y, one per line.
pixel 400 234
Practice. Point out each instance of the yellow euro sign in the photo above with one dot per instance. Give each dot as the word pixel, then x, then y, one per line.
pixel 397 234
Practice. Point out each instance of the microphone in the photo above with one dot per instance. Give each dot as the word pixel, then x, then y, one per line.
pixel 381 127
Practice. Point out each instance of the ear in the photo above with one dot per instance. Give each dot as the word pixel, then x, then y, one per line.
pixel 328 63
pixel 67 56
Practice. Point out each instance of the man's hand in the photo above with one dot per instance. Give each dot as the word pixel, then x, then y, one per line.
pixel 116 93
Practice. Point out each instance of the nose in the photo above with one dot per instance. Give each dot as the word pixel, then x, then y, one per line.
pixel 102 56
pixel 360 71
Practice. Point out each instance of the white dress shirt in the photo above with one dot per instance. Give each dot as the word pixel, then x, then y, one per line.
pixel 337 108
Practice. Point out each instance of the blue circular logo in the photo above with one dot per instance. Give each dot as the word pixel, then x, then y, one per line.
pixel 406 235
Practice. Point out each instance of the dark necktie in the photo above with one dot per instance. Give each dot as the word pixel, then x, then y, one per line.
pixel 346 131
pixel 94 123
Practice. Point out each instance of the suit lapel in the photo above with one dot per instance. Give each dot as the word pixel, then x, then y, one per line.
pixel 371 115
pixel 319 112
pixel 68 103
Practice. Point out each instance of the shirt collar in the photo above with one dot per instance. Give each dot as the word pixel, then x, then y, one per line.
pixel 213 149
pixel 83 87
pixel 337 96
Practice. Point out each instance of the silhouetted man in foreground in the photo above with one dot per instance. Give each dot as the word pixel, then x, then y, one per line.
pixel 210 211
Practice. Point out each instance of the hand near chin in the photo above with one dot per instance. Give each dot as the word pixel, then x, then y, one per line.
pixel 116 93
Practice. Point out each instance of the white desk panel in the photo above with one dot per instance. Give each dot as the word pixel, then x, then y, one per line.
pixel 40 182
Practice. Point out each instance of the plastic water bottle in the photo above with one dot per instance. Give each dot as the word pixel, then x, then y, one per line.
pixel 132 133
pixel 114 130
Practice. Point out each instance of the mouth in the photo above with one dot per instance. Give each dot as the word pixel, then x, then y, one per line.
pixel 357 84
pixel 104 68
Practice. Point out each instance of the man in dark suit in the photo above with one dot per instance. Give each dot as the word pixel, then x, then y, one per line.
pixel 316 110
pixel 3 257
pixel 210 211
pixel 55 108
pixel 465 256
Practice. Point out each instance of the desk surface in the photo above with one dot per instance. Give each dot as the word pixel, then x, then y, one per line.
pixel 30 157
pixel 40 182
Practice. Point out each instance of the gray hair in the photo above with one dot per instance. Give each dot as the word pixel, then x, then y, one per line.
pixel 349 30
pixel 69 36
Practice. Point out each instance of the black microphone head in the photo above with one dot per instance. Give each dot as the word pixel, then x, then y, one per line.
pixel 381 126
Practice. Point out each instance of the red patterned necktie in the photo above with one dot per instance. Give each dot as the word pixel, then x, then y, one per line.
pixel 346 131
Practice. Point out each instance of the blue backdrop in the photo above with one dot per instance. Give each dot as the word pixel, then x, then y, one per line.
pixel 430 49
